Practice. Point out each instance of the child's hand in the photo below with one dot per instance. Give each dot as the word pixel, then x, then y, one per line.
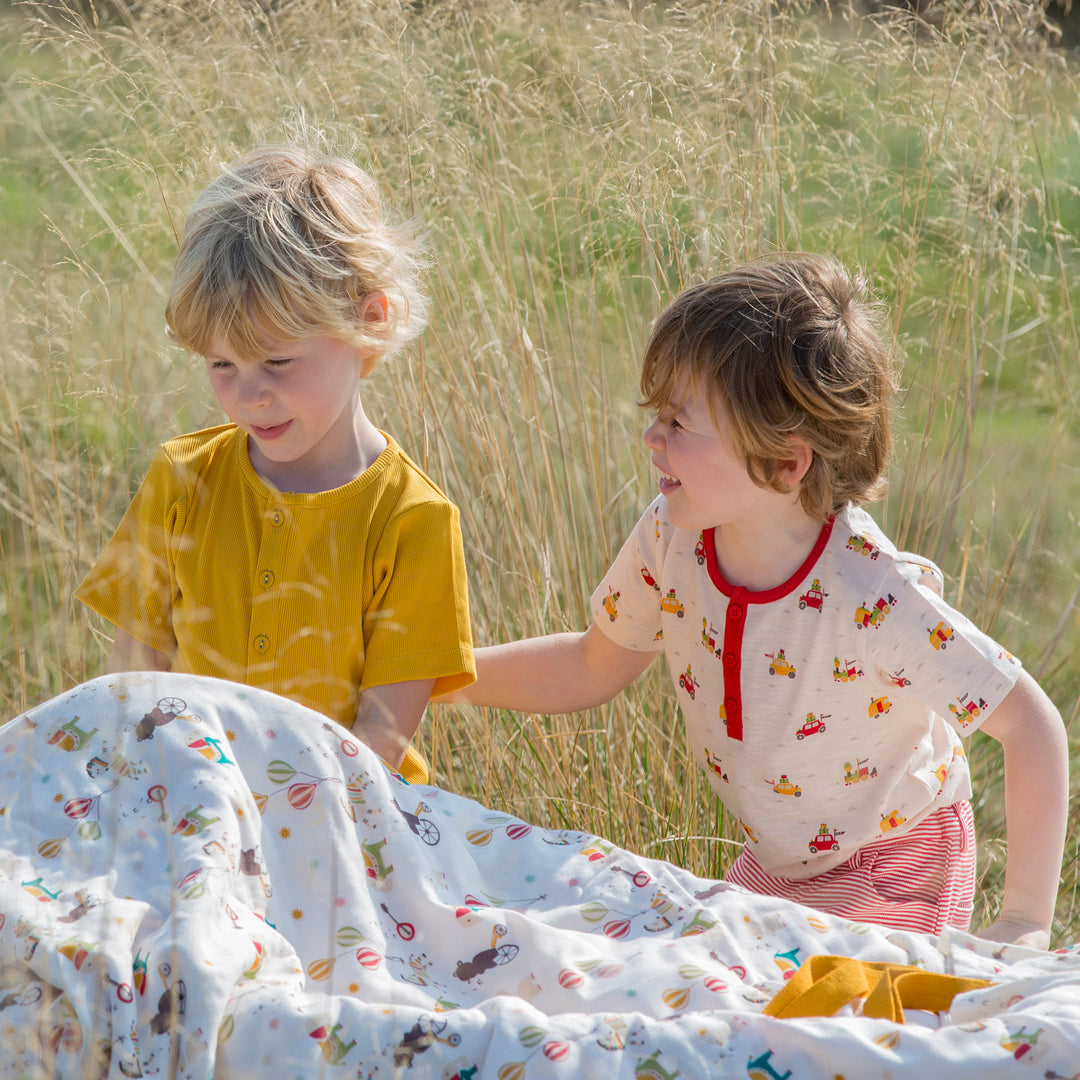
pixel 1012 929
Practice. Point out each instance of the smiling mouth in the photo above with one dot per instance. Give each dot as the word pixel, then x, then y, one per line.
pixel 274 431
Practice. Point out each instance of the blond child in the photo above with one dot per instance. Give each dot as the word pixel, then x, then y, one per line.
pixel 296 548
pixel 824 683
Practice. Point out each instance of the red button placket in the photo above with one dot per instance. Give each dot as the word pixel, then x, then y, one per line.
pixel 739 600
pixel 734 625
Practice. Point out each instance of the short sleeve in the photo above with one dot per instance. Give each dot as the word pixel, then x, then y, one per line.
pixel 947 662
pixel 132 584
pixel 626 603
pixel 417 624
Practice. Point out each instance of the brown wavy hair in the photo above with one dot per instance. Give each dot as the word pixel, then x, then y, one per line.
pixel 789 346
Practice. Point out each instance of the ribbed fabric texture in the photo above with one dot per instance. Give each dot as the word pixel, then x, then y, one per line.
pixel 312 596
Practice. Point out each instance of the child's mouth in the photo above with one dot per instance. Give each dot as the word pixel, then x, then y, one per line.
pixel 668 483
pixel 274 431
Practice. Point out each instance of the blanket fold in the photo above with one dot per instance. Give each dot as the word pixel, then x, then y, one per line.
pixel 201 879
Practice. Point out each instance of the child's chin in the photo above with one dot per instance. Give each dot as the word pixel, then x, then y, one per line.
pixel 682 521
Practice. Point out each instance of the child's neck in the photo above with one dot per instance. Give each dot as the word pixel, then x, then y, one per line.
pixel 762 559
pixel 345 453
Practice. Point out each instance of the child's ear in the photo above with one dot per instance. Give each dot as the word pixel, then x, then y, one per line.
pixel 375 307
pixel 374 313
pixel 790 470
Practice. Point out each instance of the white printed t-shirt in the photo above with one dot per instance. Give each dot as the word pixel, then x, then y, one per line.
pixel 827 712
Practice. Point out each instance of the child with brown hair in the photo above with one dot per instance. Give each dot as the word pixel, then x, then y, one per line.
pixel 296 548
pixel 824 682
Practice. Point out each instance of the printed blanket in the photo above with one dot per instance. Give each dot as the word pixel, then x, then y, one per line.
pixel 200 879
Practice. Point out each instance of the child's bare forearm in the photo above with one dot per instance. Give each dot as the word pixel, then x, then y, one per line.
pixel 130 654
pixel 387 717
pixel 553 674
pixel 1036 753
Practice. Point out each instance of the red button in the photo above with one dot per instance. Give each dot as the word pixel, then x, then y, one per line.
pixel 736 612
pixel 730 660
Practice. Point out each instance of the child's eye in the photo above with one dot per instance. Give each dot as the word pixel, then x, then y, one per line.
pixel 220 365
pixel 279 361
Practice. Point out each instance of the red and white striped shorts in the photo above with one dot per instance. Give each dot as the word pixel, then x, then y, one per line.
pixel 921 881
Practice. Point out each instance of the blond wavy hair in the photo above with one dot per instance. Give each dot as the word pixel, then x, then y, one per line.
pixel 287 244
pixel 786 347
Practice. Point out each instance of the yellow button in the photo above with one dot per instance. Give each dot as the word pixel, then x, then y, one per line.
pixel 266 578
pixel 262 643
pixel 277 518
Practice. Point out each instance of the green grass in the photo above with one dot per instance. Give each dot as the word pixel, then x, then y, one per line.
pixel 574 168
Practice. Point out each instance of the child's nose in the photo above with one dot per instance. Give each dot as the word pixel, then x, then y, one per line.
pixel 654 435
pixel 253 389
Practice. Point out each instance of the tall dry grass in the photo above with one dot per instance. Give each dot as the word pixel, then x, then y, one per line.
pixel 574 168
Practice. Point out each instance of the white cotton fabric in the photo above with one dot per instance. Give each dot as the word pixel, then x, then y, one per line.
pixel 203 879
pixel 856 683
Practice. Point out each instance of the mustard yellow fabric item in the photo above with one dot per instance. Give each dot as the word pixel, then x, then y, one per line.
pixel 312 596
pixel 825 984
pixel 413 767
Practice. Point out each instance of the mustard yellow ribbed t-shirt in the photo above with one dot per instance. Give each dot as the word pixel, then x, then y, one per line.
pixel 312 596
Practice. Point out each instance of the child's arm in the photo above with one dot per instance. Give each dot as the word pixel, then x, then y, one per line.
pixel 557 673
pixel 130 654
pixel 387 716
pixel 1036 752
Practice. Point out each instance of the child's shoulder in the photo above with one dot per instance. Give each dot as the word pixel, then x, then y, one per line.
pixel 190 449
pixel 412 483
pixel 184 462
pixel 858 532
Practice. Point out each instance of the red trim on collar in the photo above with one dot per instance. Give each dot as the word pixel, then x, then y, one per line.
pixel 765 596
pixel 735 620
